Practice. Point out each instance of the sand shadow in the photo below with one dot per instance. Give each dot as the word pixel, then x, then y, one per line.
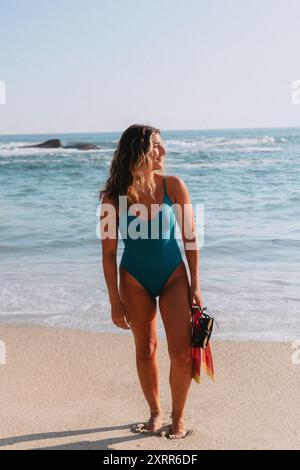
pixel 102 444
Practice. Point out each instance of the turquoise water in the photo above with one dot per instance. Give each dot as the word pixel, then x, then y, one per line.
pixel 248 180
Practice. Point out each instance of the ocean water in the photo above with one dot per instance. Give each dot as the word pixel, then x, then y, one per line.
pixel 248 182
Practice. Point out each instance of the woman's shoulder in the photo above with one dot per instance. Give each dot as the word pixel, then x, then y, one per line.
pixel 108 200
pixel 175 187
pixel 174 180
pixel 108 203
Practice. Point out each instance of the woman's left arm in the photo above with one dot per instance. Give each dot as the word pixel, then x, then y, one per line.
pixel 185 218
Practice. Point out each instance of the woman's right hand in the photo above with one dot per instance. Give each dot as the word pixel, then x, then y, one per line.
pixel 119 315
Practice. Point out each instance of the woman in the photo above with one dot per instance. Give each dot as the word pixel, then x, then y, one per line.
pixel 151 266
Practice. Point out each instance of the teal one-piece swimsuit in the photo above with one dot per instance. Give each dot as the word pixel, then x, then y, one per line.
pixel 151 261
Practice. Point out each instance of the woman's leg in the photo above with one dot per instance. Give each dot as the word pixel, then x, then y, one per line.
pixel 175 310
pixel 141 308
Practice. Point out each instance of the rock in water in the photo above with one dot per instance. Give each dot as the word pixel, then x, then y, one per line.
pixel 56 144
pixel 49 144
pixel 81 146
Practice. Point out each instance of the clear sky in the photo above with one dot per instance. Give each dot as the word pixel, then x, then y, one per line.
pixel 94 65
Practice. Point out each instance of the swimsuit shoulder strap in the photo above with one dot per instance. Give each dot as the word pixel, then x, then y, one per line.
pixel 165 188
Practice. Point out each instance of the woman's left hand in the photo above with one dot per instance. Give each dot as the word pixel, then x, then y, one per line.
pixel 195 295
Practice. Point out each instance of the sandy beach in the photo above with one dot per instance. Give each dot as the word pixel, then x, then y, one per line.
pixel 70 389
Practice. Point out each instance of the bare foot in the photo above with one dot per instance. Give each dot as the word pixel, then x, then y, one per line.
pixel 178 430
pixel 153 426
pixel 155 421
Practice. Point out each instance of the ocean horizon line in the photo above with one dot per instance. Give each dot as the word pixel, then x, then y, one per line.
pixel 162 130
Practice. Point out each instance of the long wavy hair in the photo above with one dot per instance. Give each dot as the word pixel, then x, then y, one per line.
pixel 126 176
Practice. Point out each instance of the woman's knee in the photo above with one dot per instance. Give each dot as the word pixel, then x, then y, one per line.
pixel 147 349
pixel 181 355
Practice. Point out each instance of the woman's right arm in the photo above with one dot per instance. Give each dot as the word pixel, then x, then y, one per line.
pixel 109 242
